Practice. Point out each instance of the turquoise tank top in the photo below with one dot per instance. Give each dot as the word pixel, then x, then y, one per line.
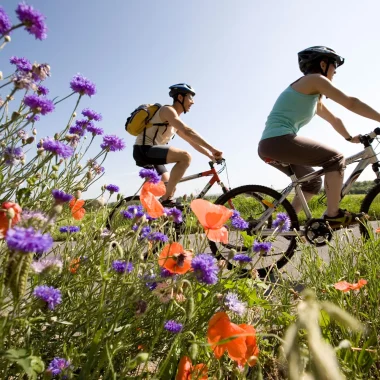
pixel 291 111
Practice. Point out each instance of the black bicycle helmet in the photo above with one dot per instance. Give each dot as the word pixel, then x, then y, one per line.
pixel 180 89
pixel 310 55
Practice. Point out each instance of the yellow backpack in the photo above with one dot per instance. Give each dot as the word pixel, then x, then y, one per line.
pixel 140 118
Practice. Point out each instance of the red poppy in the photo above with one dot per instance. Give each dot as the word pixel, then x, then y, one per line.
pixel 5 222
pixel 186 370
pixel 212 218
pixel 148 199
pixel 241 339
pixel 77 210
pixel 175 259
pixel 345 286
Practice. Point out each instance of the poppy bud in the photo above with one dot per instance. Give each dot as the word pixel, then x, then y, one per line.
pixel 7 38
pixel 34 131
pixel 15 116
pixel 193 351
pixel 55 168
pixel 29 140
pixel 11 213
pixel 77 194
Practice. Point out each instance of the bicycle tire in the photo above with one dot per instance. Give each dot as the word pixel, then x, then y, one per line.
pixel 257 189
pixel 374 215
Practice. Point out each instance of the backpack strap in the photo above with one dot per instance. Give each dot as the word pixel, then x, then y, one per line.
pixel 156 124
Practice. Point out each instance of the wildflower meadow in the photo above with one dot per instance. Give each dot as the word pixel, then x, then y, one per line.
pixel 146 299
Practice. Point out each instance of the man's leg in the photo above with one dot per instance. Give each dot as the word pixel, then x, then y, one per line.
pixel 182 161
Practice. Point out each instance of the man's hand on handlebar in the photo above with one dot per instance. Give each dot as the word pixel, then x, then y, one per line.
pixel 355 139
pixel 217 154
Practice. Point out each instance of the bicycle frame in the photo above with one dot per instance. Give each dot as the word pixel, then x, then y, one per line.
pixel 209 173
pixel 366 157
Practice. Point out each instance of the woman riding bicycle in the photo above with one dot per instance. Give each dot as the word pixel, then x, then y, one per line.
pixel 294 108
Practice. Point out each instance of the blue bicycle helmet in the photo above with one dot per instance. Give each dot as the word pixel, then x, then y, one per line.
pixel 180 89
pixel 312 54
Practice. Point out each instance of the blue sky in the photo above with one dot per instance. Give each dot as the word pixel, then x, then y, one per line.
pixel 238 55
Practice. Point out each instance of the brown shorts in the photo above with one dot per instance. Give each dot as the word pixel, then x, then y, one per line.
pixel 301 153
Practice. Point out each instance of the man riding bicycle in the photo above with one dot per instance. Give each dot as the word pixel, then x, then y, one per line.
pixel 151 146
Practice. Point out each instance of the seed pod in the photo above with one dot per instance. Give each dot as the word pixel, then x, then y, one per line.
pixel 190 308
pixel 193 351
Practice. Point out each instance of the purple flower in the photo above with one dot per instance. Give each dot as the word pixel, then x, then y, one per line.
pixel 28 240
pixel 92 115
pixel 57 366
pixel 106 233
pixel 145 231
pixel 48 294
pixel 148 217
pixel 150 281
pixel 95 130
pixel 242 258
pixel 232 303
pixel 205 268
pixel 58 148
pixel 77 129
pixel 175 213
pixel 158 237
pixel 112 143
pixel 39 104
pixel 112 188
pixel 5 22
pixel 173 326
pixel 122 266
pixel 238 222
pixel 33 20
pixel 22 63
pixel 165 273
pixel 262 247
pixel 132 212
pixel 150 175
pixel 13 155
pixel 82 85
pixel 135 227
pixel 61 197
pixel 69 229
pixel 46 265
pixel 282 222
pixel 33 216
pixel 42 90
pixel 23 80
pixel 41 72
pixel 33 118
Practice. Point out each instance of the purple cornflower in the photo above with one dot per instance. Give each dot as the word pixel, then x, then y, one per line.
pixel 282 222
pixel 262 248
pixel 69 229
pixel 61 197
pixel 112 188
pixel 150 175
pixel 5 22
pixel 105 233
pixel 165 273
pixel 57 148
pixel 48 294
pixel 57 366
pixel 74 140
pixel 173 326
pixel 205 268
pixel 33 215
pixel 33 118
pixel 39 104
pixel 42 90
pixel 112 143
pixel 82 85
pixel 13 156
pixel 92 115
pixel 22 134
pixel 145 231
pixel 232 303
pixel 122 266
pixel 242 258
pixel 238 222
pixel 28 240
pixel 46 265
pixel 132 212
pixel 33 20
pixel 96 131
pixel 158 237
pixel 150 281
pixel 175 213
pixel 148 217
pixel 77 129
pixel 22 63
pixel 135 227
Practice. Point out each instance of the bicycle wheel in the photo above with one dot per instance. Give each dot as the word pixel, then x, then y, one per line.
pixel 115 219
pixel 252 201
pixel 371 207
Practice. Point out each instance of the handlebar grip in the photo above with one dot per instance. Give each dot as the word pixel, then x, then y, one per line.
pixel 377 131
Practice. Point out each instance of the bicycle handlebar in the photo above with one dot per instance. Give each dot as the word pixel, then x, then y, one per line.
pixel 218 162
pixel 367 139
